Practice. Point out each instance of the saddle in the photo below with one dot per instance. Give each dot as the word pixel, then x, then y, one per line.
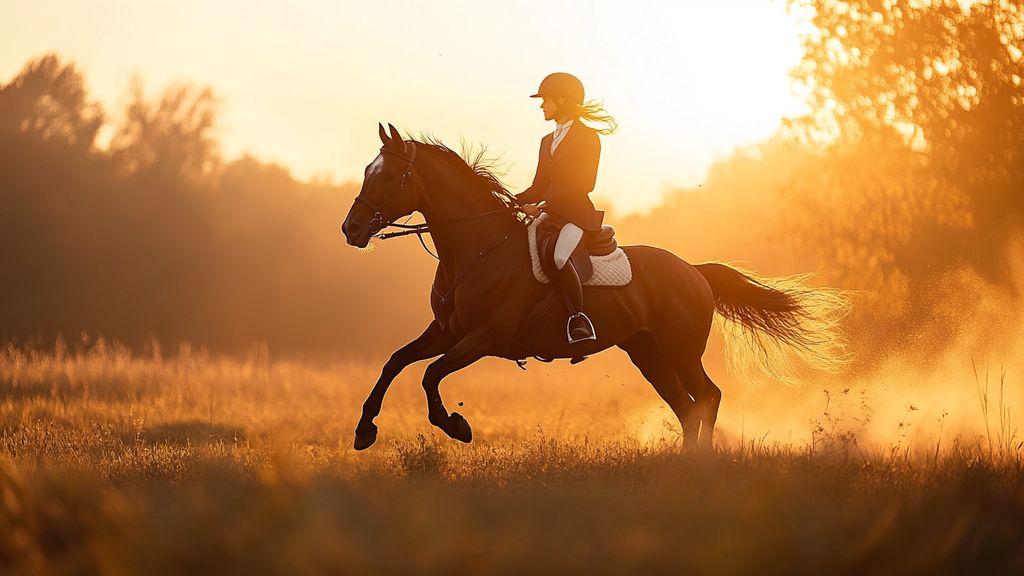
pixel 601 243
pixel 598 260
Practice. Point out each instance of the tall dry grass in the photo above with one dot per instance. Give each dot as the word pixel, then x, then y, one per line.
pixel 117 464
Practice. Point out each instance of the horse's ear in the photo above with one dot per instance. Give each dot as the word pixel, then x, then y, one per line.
pixel 383 135
pixel 396 137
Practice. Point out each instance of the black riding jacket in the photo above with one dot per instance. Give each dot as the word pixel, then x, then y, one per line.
pixel 565 179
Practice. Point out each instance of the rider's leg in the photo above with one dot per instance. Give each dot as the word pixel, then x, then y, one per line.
pixel 568 238
pixel 578 328
pixel 572 289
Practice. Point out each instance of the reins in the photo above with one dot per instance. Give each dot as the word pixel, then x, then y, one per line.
pixel 378 223
pixel 422 228
pixel 444 298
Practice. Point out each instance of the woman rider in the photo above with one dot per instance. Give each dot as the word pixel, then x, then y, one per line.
pixel 566 173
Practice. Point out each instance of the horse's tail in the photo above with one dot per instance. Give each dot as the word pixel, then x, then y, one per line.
pixel 778 318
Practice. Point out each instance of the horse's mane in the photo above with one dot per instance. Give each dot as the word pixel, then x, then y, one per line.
pixel 478 166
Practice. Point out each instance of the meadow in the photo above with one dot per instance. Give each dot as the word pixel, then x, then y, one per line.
pixel 119 463
pixel 141 218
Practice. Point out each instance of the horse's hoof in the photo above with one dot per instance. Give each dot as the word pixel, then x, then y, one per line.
pixel 459 428
pixel 364 441
pixel 365 438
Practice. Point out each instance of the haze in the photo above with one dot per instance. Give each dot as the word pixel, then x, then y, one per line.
pixel 305 83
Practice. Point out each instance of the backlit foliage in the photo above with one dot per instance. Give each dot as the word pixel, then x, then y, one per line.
pixel 918 124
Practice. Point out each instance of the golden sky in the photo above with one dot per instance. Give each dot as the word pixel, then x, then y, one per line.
pixel 304 83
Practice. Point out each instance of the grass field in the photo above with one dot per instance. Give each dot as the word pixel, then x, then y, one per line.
pixel 118 464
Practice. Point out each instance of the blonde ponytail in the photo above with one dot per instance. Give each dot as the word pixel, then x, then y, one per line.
pixel 593 111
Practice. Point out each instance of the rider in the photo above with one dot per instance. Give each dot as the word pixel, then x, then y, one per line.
pixel 566 173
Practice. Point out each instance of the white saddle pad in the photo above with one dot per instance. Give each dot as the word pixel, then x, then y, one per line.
pixel 609 270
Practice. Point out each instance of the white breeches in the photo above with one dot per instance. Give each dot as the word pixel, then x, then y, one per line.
pixel 568 238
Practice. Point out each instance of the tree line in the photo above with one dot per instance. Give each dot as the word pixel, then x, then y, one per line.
pixel 905 182
pixel 155 238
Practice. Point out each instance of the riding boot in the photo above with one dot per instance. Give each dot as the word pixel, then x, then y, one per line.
pixel 578 328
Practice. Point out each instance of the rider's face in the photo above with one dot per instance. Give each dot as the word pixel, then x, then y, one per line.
pixel 549 105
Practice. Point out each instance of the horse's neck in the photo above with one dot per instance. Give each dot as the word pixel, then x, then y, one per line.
pixel 453 212
pixel 507 255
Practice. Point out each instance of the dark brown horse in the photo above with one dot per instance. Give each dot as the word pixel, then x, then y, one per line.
pixel 484 290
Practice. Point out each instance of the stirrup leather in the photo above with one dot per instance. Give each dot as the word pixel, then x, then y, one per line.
pixel 590 325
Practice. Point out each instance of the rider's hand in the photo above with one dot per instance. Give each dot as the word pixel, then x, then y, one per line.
pixel 531 210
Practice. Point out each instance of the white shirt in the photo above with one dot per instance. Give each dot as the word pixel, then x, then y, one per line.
pixel 560 131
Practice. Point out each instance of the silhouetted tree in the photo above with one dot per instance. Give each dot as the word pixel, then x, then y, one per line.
pixel 47 101
pixel 925 105
pixel 154 238
pixel 49 171
pixel 173 136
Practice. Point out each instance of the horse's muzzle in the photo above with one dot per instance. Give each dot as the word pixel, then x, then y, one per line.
pixel 351 231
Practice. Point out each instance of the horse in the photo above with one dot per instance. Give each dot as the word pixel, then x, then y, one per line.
pixel 484 290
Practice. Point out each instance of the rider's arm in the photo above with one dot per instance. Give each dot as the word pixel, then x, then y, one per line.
pixel 541 182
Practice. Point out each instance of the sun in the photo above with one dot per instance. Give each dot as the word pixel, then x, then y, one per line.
pixel 690 82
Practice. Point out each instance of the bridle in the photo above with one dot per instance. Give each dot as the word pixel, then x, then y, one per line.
pixel 378 223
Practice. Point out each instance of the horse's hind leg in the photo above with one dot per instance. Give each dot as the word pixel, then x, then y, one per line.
pixel 429 344
pixel 465 352
pixel 705 394
pixel 644 353
pixel 709 414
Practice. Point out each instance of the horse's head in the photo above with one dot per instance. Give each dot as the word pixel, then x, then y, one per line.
pixel 386 193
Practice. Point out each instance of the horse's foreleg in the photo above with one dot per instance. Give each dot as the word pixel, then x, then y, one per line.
pixel 427 345
pixel 462 354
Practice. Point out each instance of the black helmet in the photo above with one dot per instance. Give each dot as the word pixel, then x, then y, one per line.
pixel 561 84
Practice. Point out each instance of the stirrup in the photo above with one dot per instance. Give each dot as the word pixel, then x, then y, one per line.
pixel 590 326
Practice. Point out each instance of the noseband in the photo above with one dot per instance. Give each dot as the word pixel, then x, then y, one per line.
pixel 378 222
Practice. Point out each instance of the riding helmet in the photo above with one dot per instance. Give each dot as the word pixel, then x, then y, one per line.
pixel 561 84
